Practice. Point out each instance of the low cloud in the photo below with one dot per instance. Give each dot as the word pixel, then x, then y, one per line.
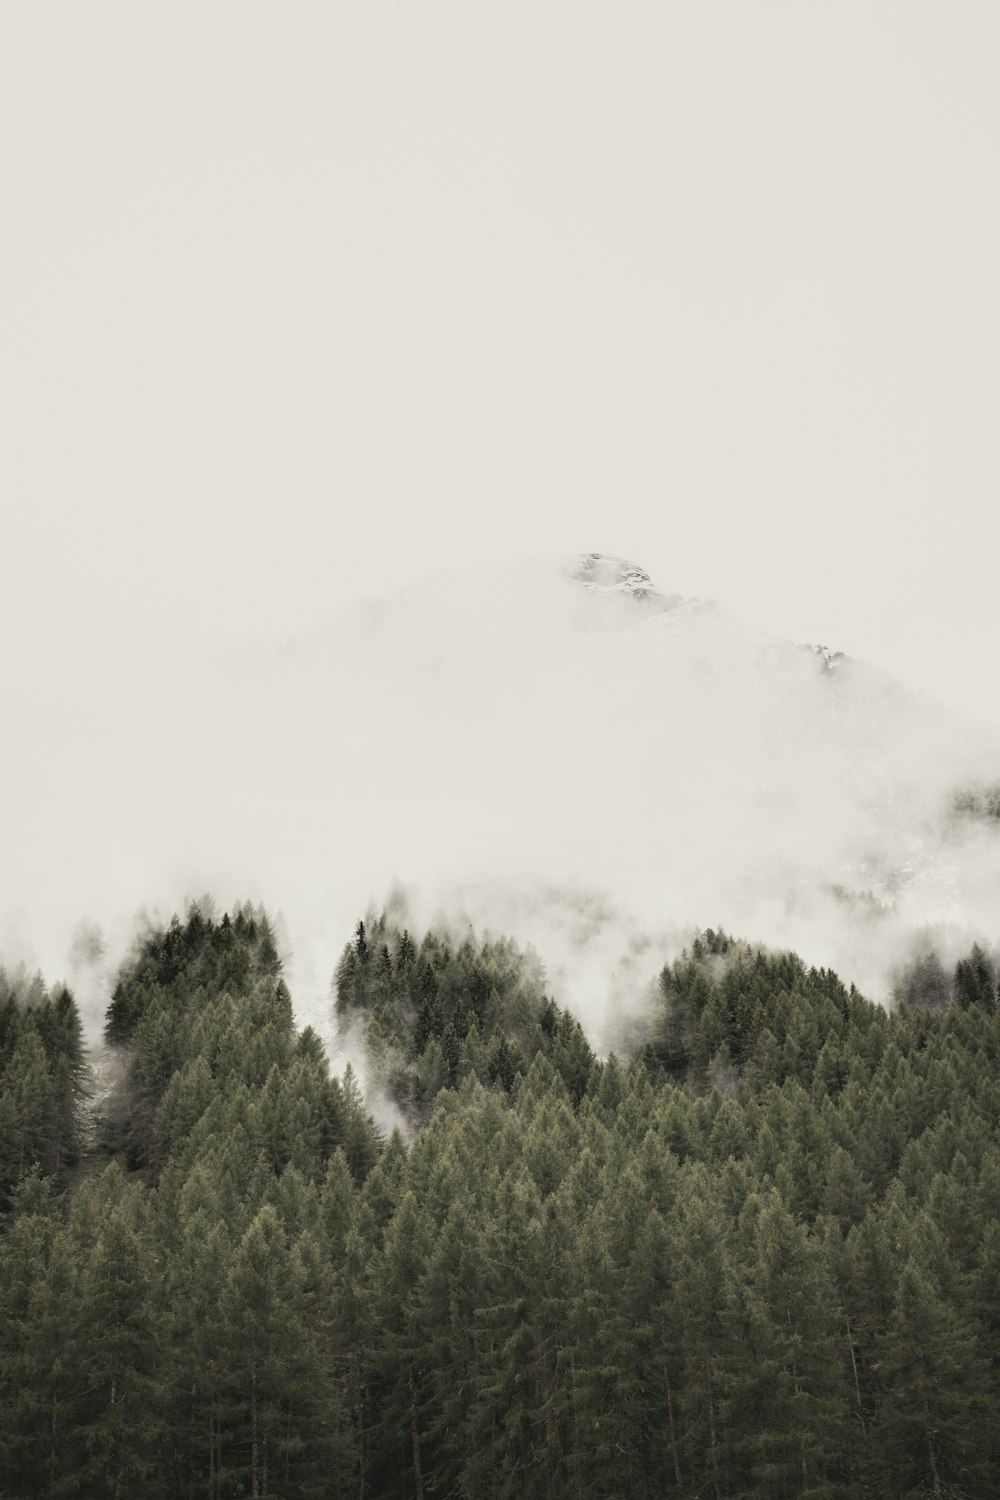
pixel 593 773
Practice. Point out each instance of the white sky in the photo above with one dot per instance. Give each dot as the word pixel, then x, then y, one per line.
pixel 302 300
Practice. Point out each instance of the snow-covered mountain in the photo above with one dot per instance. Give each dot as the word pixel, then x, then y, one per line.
pixel 567 751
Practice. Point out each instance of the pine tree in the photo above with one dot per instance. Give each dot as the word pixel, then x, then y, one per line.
pixel 791 1385
pixel 935 1421
pixel 119 1413
pixel 975 981
pixel 262 1337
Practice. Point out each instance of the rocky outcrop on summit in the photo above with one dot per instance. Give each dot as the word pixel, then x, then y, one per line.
pixel 830 660
pixel 604 576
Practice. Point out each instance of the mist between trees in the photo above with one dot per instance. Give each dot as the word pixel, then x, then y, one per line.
pixel 754 1253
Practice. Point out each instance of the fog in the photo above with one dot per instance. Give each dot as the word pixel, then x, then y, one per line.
pixel 592 767
pixel 304 303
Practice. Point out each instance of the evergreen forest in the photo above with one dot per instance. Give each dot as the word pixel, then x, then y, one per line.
pixel 753 1254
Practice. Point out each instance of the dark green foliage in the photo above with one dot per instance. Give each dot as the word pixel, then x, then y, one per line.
pixel 976 980
pixel 735 1008
pixel 42 1080
pixel 206 1020
pixel 757 1258
pixel 733 1324
pixel 436 1013
pixel 924 984
pixel 936 1418
pixel 177 1336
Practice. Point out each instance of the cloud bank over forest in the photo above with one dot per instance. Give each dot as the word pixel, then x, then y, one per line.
pixel 560 751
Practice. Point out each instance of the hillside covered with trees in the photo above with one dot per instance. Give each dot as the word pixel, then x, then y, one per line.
pixel 756 1256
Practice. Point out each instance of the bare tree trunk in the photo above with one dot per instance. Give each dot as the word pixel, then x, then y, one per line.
pixel 802 1450
pixel 52 1453
pixel 930 1451
pixel 854 1367
pixel 711 1428
pixel 361 1428
pixel 254 1475
pixel 795 1386
pixel 288 1445
pixel 415 1436
pixel 673 1431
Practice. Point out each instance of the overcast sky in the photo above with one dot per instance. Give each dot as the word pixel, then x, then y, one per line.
pixel 303 300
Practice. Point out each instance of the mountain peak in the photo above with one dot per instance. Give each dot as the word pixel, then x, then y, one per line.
pixel 603 570
pixel 604 574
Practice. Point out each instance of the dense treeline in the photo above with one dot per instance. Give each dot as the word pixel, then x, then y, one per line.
pixel 757 1258
pixel 168 1327
pixel 42 1080
pixel 206 1019
pixel 435 1013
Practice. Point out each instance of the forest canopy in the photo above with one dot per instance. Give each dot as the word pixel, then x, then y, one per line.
pixel 756 1255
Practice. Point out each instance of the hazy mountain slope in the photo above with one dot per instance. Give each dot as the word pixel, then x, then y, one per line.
pixel 558 747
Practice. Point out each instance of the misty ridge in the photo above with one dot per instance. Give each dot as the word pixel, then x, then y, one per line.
pixel 557 749
pixel 754 1252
